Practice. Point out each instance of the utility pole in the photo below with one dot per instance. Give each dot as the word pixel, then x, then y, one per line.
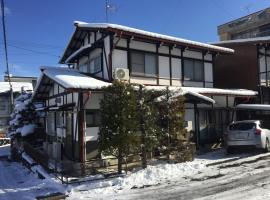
pixel 6 52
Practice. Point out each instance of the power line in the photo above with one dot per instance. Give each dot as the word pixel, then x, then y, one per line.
pixel 34 44
pixel 33 51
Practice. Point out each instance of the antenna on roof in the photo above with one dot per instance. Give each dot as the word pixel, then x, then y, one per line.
pixel 109 7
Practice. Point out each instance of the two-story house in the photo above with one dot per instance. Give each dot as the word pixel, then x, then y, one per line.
pixel 97 52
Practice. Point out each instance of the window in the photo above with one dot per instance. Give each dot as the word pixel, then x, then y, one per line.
pixel 193 70
pixel 83 67
pixel 4 104
pixel 95 65
pixel 242 126
pixel 51 123
pixel 92 118
pixel 92 66
pixel 143 64
pixel 58 119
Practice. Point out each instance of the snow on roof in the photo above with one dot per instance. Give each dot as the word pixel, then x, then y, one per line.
pixel 256 39
pixel 150 34
pixel 183 92
pixel 213 91
pixel 16 86
pixel 253 107
pixel 217 91
pixel 77 52
pixel 72 79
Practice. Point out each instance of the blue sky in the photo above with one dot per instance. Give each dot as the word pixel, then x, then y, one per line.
pixel 38 30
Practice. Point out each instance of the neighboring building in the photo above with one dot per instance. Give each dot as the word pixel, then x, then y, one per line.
pixel 247 68
pixel 5 100
pixel 25 79
pixel 254 25
pixel 98 53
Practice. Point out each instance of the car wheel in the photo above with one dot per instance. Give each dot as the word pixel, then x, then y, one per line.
pixel 267 145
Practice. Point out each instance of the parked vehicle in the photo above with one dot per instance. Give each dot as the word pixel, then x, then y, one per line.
pixel 253 133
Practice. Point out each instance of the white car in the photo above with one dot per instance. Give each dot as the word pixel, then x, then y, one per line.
pixel 251 133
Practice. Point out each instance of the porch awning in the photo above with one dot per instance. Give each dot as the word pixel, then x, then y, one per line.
pixel 69 79
pixel 253 107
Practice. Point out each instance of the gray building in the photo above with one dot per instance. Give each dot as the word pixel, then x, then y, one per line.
pixel 254 25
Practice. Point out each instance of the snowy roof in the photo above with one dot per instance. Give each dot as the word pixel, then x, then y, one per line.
pixel 72 78
pixel 247 40
pixel 138 33
pixel 16 86
pixel 210 91
pixel 67 78
pixel 253 107
pixel 150 34
pixel 183 92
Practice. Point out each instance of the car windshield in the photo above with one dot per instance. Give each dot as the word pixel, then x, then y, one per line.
pixel 242 126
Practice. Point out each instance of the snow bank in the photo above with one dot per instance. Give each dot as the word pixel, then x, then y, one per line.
pixel 152 175
pixel 28 159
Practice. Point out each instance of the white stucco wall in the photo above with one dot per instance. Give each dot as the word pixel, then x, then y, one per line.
pixel 119 59
pixel 164 69
pixel 192 54
pixel 208 72
pixel 142 46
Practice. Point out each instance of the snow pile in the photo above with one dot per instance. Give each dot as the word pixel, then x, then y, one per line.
pixel 28 129
pixel 152 175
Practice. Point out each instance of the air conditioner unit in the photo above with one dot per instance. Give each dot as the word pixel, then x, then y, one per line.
pixel 121 74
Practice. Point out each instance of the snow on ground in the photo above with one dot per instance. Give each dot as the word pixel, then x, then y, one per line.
pixel 207 175
pixel 154 175
pixel 17 182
